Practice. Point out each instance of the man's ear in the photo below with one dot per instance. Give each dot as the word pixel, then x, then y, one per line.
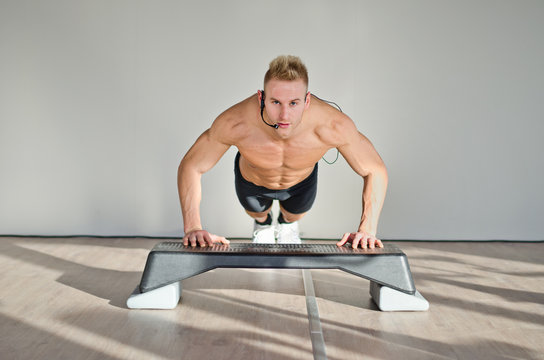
pixel 307 100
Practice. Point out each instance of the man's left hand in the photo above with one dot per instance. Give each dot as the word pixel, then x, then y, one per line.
pixel 362 239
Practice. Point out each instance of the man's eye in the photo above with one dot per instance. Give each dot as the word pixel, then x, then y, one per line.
pixel 293 103
pixel 275 102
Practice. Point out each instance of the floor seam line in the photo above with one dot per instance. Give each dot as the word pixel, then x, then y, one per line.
pixel 316 331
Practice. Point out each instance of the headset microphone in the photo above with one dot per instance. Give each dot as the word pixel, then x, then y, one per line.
pixel 262 109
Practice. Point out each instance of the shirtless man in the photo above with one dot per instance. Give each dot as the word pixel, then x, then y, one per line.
pixel 281 134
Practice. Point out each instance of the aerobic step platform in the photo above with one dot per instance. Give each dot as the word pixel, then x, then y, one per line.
pixel 392 287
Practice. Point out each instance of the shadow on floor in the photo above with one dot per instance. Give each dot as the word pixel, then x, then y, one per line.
pixel 20 340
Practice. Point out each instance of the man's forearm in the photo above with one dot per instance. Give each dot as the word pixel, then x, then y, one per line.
pixel 374 191
pixel 190 193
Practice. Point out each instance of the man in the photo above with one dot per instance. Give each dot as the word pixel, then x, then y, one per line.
pixel 281 134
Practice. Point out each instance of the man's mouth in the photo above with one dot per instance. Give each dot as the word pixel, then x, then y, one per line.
pixel 283 125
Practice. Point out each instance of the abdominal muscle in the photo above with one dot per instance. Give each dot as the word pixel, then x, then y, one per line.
pixel 274 175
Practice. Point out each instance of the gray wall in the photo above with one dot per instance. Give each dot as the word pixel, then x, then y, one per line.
pixel 99 100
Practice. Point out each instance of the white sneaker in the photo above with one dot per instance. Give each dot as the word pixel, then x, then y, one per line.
pixel 263 234
pixel 288 233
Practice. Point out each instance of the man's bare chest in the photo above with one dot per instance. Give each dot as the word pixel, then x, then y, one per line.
pixel 291 155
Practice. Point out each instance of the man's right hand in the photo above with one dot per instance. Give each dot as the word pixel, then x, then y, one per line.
pixel 202 238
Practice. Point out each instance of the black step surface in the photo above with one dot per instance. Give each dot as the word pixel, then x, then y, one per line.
pixel 279 249
pixel 170 261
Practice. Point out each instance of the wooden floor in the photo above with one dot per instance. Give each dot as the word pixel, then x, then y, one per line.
pixel 65 299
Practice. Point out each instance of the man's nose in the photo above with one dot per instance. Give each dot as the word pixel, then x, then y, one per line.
pixel 284 114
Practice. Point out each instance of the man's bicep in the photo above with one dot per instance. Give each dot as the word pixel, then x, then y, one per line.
pixel 360 153
pixel 205 152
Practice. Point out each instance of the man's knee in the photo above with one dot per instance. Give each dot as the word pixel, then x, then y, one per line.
pixel 259 216
pixel 290 217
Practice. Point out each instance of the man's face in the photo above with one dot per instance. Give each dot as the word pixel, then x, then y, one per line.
pixel 285 101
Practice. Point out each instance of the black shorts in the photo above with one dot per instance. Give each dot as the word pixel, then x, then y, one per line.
pixel 297 199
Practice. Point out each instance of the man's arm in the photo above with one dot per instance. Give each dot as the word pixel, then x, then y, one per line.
pixel 201 157
pixel 365 161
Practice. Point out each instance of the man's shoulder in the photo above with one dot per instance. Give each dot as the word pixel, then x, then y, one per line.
pixel 234 123
pixel 334 125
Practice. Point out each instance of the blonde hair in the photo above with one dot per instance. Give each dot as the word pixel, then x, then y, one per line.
pixel 287 67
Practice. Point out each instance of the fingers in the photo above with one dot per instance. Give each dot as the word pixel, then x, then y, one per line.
pixel 359 238
pixel 344 239
pixel 220 239
pixel 203 239
pixel 362 239
pixel 370 241
pixel 196 237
